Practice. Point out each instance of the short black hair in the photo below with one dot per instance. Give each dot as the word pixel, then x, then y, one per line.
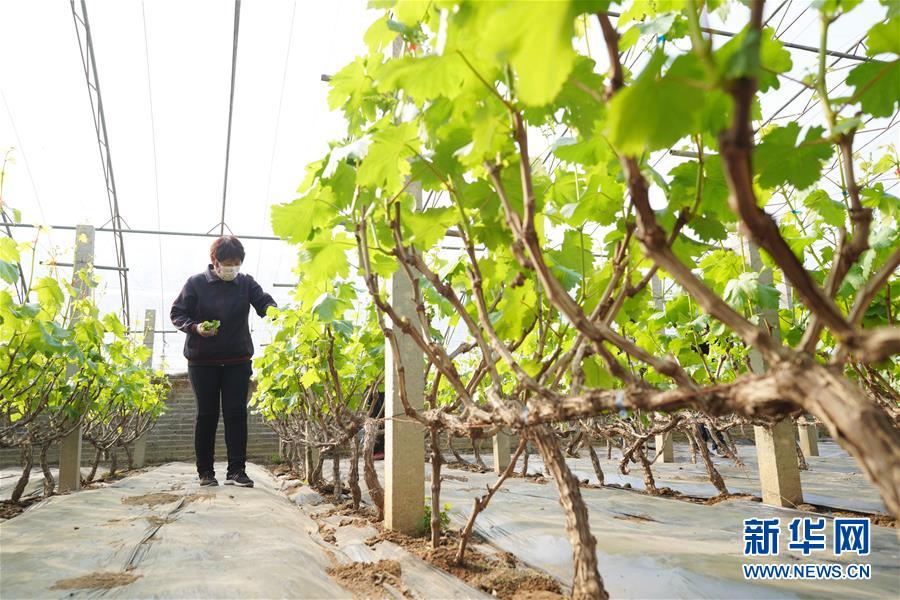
pixel 227 247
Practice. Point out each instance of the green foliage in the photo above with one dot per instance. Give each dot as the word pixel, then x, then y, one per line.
pixel 209 325
pixel 779 159
pixel 446 115
pixel 424 525
pixel 63 362
pixel 876 84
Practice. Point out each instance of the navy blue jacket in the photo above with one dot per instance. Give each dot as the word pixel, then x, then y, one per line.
pixel 205 297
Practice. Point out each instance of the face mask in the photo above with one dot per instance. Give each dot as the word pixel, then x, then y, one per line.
pixel 227 273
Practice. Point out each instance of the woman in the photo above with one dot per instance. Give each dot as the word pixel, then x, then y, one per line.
pixel 219 354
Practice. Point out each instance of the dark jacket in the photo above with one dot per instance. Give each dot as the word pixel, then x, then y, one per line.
pixel 205 297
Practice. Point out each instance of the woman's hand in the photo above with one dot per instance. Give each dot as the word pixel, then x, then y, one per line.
pixel 208 331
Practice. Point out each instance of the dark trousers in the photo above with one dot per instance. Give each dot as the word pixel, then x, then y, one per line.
pixel 230 384
pixel 704 432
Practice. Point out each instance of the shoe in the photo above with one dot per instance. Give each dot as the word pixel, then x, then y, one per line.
pixel 208 479
pixel 240 478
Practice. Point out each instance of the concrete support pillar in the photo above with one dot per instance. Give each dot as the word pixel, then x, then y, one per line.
pixel 70 446
pixel 140 444
pixel 779 474
pixel 501 451
pixel 665 450
pixel 404 460
pixel 809 439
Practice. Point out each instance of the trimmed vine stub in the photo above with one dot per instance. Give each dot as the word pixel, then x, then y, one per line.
pixel 543 320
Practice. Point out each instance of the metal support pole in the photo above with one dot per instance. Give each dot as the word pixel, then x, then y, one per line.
pixel 89 62
pixel 70 446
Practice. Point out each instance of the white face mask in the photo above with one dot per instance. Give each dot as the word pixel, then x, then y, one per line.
pixel 227 273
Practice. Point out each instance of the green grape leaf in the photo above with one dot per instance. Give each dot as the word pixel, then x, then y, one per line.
pixel 425 78
pixel 796 240
pixel 327 257
pixel 581 109
pixel 884 38
pixel 745 291
pixel 351 90
pixel 386 163
pixel 9 251
pixel 574 253
pixel 536 39
pixel 328 307
pixel 721 266
pixel 640 116
pixel 310 378
pixel 294 221
pixel 50 294
pixel 515 311
pixel 779 159
pixel 595 375
pixel 379 36
pixel 708 228
pixel 427 228
pixel 876 86
pixel 751 54
pixel 9 272
pixel 832 212
pixel 875 196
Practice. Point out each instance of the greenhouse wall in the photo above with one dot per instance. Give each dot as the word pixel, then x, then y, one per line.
pixel 173 436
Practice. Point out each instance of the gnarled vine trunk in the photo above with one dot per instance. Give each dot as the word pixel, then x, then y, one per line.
pixel 435 487
pixel 336 474
pixel 49 481
pixel 376 492
pixel 353 475
pixel 27 462
pixel 854 421
pixel 586 582
pixel 714 477
pixel 595 461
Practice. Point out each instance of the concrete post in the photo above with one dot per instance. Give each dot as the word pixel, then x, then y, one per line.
pixel 404 458
pixel 70 446
pixel 806 434
pixel 809 439
pixel 779 474
pixel 501 451
pixel 665 449
pixel 140 444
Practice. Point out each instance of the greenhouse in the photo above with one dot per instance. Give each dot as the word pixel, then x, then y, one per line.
pixel 450 299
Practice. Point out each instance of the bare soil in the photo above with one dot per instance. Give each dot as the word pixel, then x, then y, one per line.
pixel 370 580
pixel 10 509
pixel 95 581
pixel 151 499
pixel 501 576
